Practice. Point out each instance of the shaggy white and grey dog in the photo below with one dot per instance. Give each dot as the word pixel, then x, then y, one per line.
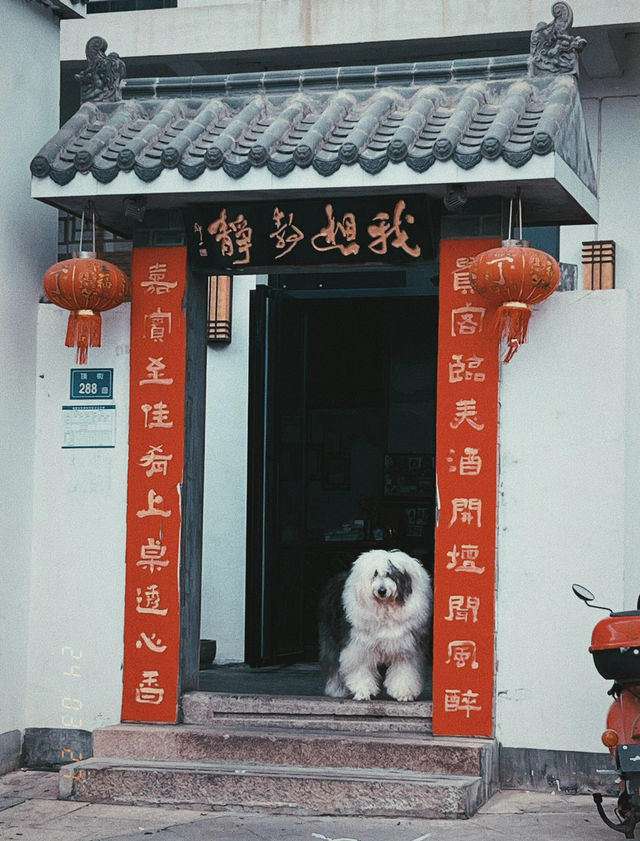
pixel 374 626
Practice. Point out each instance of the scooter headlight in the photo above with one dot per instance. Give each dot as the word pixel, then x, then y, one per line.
pixel 610 738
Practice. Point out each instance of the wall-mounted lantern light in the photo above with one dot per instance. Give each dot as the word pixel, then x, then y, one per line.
pixel 599 264
pixel 219 311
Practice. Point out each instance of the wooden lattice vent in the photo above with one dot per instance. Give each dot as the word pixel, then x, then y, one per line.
pixel 599 264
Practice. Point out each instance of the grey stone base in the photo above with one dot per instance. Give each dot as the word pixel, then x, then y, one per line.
pixel 569 772
pixel 276 789
pixel 296 746
pixel 49 748
pixel 205 707
pixel 10 746
pixel 290 755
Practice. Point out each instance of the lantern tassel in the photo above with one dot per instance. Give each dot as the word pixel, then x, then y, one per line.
pixel 512 321
pixel 84 330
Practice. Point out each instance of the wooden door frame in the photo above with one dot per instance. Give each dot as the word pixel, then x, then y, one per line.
pixel 190 580
pixel 192 489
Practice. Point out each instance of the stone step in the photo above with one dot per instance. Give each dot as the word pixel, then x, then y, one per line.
pixel 324 723
pixel 278 789
pixel 206 707
pixel 295 745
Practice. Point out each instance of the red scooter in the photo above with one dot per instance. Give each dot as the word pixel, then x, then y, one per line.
pixel 615 646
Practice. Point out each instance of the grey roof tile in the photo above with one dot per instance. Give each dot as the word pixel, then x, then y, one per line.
pixel 414 115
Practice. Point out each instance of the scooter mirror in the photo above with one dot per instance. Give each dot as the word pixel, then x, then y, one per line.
pixel 582 593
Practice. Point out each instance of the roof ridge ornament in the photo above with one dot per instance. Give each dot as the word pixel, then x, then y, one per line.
pixel 553 48
pixel 103 77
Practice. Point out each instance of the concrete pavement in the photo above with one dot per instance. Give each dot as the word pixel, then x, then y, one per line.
pixel 30 811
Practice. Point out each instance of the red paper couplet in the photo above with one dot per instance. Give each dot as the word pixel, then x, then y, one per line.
pixel 156 444
pixel 466 470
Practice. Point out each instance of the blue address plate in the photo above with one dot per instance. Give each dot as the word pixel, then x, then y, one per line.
pixel 91 384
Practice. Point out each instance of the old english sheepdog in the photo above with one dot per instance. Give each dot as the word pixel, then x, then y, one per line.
pixel 374 624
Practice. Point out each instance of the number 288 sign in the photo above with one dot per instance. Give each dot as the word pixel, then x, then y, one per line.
pixel 91 384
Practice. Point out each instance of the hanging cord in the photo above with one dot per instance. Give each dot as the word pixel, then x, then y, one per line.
pixel 510 234
pixel 520 214
pixel 81 232
pixel 91 208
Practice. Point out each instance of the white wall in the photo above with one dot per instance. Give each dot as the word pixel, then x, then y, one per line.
pixel 224 536
pixel 200 26
pixel 76 599
pixel 28 235
pixel 612 112
pixel 619 110
pixel 570 475
pixel 561 517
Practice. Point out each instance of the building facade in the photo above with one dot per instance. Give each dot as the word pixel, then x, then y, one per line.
pixel 566 451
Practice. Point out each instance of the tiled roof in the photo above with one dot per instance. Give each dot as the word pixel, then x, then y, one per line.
pixel 415 115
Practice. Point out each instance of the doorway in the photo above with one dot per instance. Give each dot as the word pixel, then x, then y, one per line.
pixel 341 443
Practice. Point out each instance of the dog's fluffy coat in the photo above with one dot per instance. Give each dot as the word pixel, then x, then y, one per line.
pixel 374 626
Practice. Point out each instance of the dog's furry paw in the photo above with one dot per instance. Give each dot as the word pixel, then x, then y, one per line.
pixel 362 696
pixel 364 690
pixel 335 688
pixel 403 697
pixel 402 683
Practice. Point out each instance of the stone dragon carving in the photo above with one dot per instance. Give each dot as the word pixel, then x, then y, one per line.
pixel 101 80
pixel 553 48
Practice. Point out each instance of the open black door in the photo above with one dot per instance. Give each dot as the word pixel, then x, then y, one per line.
pixel 276 480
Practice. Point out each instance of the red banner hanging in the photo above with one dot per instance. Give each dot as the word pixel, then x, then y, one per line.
pixel 156 445
pixel 466 469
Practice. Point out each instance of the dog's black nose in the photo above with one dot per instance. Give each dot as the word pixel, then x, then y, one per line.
pixel 382 591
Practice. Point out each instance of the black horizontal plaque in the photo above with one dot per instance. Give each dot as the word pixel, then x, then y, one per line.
pixel 233 238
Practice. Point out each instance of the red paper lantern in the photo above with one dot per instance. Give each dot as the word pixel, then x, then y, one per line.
pixel 87 286
pixel 514 276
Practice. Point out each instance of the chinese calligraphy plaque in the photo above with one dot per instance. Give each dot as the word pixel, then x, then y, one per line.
pixel 233 237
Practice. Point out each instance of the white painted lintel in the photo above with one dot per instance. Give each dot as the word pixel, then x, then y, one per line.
pixel 543 179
